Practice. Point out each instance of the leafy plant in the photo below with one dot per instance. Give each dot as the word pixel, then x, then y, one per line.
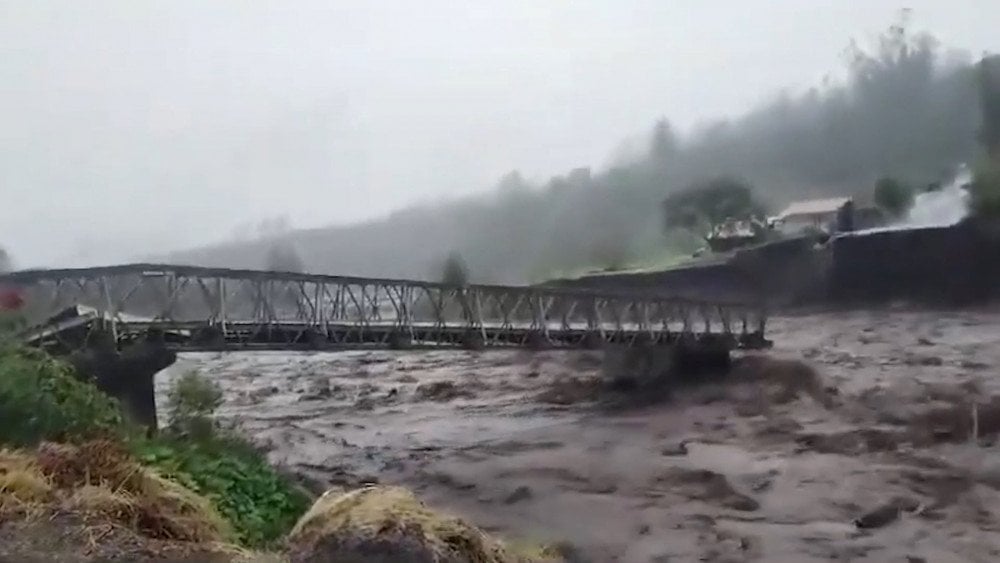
pixel 40 399
pixel 261 504
pixel 192 400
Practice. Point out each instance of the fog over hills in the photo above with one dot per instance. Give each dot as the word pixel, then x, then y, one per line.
pixel 907 108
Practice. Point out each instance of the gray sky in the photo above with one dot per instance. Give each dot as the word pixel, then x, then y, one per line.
pixel 133 127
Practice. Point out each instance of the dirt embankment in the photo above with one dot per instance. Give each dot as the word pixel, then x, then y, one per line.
pixel 95 502
pixel 881 451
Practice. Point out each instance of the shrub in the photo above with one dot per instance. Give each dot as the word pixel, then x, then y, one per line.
pixel 261 504
pixel 192 400
pixel 40 399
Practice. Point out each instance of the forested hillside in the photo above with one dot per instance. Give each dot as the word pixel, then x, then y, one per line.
pixel 908 108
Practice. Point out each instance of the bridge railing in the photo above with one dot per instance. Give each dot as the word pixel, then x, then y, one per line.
pixel 230 301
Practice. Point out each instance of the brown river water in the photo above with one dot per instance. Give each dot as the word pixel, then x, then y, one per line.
pixel 526 446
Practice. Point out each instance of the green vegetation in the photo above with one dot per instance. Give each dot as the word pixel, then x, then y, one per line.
pixel 989 102
pixel 985 188
pixel 41 400
pixel 893 196
pixel 261 505
pixel 710 202
pixel 192 401
pixel 908 107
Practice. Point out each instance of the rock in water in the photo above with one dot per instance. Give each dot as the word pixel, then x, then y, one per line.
pixel 388 525
pixel 881 516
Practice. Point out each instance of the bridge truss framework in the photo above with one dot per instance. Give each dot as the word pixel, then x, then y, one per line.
pixel 197 309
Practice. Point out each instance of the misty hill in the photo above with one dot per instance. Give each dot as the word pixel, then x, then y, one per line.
pixel 907 109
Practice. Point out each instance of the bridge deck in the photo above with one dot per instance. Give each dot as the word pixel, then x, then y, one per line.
pixel 193 308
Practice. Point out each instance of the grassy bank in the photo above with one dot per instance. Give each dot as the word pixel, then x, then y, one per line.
pixel 79 483
pixel 43 404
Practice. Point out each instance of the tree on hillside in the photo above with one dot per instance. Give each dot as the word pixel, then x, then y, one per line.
pixel 985 188
pixel 710 202
pixel 893 196
pixel 663 145
pixel 283 257
pixel 6 263
pixel 455 272
pixel 989 101
pixel 908 108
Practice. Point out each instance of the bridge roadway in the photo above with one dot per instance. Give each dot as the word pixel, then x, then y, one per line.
pixel 199 309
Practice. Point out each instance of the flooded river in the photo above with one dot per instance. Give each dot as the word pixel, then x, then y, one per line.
pixel 527 446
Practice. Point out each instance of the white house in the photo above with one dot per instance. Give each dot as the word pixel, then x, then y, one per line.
pixel 815 213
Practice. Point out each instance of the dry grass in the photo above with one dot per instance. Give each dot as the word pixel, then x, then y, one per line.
pixel 534 552
pixel 22 484
pixel 391 521
pixel 96 501
pixel 100 482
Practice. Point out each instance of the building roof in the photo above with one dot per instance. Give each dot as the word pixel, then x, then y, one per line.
pixel 814 207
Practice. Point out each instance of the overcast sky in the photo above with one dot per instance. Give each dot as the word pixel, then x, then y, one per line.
pixel 130 127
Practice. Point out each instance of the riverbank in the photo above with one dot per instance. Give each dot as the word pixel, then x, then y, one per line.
pixel 80 483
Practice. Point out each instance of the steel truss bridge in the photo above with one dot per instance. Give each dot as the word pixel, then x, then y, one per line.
pixel 205 309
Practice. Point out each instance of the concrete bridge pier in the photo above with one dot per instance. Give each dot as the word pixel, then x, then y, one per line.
pixel 647 365
pixel 126 375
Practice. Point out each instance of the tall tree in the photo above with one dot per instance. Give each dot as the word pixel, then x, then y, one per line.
pixel 893 196
pixel 455 272
pixel 283 257
pixel 985 189
pixel 663 145
pixel 710 202
pixel 6 263
pixel 989 100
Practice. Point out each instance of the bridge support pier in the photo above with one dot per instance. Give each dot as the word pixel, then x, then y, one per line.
pixel 400 340
pixel 473 341
pixel 126 376
pixel 650 364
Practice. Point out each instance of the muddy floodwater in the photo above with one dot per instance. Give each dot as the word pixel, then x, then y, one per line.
pixel 530 447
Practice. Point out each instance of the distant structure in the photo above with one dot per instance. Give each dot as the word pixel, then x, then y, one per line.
pixel 734 233
pixel 826 215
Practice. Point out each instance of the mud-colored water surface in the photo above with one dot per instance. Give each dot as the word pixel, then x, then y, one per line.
pixel 901 467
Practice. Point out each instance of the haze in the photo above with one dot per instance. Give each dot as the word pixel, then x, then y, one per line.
pixel 136 128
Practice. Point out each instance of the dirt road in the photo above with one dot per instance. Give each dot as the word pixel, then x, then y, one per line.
pixel 527 446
